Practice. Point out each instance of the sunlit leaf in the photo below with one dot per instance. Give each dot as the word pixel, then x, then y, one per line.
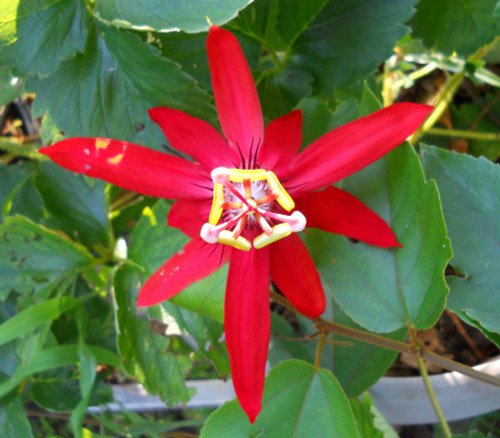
pixel 455 25
pixel 158 15
pixel 32 256
pixel 471 201
pixel 37 35
pixel 387 289
pixel 298 401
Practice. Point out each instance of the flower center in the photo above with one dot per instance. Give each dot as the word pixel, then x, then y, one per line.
pixel 249 200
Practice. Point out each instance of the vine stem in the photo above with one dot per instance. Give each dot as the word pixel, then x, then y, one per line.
pixel 491 136
pixel 432 396
pixel 319 350
pixel 446 94
pixel 21 150
pixel 390 344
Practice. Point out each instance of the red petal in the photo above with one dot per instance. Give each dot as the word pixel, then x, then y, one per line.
pixel 248 324
pixel 235 94
pixel 193 262
pixel 337 211
pixel 351 147
pixel 189 216
pixel 295 274
pixel 132 167
pixel 282 141
pixel 194 137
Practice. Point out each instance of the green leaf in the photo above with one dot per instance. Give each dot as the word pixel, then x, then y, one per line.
pixel 54 357
pixel 158 15
pixel 295 17
pixel 455 25
pixel 188 50
pixel 17 192
pixel 152 243
pixel 39 35
pixel 369 420
pixel 357 365
pixel 34 316
pixel 205 331
pixel 136 425
pixel 469 192
pixel 78 203
pixel 33 257
pixel 58 390
pixel 87 367
pixel 145 354
pixel 474 434
pixel 282 90
pixel 10 88
pixel 467 114
pixel 158 79
pixel 104 101
pixel 298 401
pixel 384 290
pixel 13 420
pixel 347 40
pixel 316 117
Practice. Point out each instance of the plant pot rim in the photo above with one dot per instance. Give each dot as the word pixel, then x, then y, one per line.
pixel 404 400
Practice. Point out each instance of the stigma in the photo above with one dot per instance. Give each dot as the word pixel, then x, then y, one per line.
pixel 249 200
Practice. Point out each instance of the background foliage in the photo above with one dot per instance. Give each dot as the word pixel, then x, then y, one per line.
pixel 68 321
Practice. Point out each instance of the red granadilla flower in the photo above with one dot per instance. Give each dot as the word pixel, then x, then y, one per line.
pixel 245 197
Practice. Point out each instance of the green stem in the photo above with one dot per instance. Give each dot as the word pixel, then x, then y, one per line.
pixel 432 396
pixel 446 94
pixel 21 150
pixel 124 200
pixel 443 99
pixel 488 136
pixel 319 350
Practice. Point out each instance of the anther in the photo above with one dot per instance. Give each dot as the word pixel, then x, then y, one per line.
pixel 227 237
pixel 282 196
pixel 279 232
pixel 216 211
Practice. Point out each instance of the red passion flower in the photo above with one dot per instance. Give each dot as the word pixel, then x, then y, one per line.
pixel 244 197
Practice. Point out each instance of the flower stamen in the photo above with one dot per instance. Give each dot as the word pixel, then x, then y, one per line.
pixel 263 200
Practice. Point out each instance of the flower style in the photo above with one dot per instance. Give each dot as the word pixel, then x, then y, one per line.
pixel 245 197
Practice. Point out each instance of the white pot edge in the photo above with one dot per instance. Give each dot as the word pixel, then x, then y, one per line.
pixel 404 400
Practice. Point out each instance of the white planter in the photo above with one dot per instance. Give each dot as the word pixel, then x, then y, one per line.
pixel 404 400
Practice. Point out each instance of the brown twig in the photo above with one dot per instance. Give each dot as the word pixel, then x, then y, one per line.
pixel 401 347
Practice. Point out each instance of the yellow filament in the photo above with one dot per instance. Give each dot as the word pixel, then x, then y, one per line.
pixel 227 237
pixel 216 211
pixel 283 197
pixel 279 232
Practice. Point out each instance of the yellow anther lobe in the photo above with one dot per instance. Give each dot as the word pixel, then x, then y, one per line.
pixel 217 209
pixel 227 237
pixel 239 175
pixel 283 197
pixel 279 232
